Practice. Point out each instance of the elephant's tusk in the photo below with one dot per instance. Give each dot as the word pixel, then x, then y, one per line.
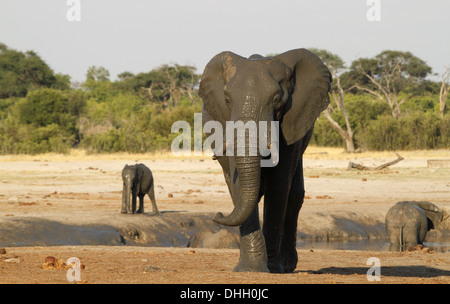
pixel 224 149
pixel 274 153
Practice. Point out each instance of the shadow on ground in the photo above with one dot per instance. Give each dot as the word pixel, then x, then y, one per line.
pixel 390 271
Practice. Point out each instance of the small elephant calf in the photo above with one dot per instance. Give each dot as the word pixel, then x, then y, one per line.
pixel 137 182
pixel 407 223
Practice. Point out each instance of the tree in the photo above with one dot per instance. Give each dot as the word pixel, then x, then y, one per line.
pixel 444 91
pixel 97 73
pixel 125 75
pixel 162 86
pixel 21 72
pixel 336 65
pixel 62 82
pixel 388 74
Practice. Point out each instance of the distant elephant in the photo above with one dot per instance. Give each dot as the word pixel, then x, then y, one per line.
pixel 407 223
pixel 137 182
pixel 293 89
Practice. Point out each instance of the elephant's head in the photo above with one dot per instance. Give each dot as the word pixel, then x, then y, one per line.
pixel 291 88
pixel 434 214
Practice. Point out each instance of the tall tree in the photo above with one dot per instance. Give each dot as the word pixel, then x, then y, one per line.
pixel 336 66
pixel 444 91
pixel 163 86
pixel 97 73
pixel 388 74
pixel 21 72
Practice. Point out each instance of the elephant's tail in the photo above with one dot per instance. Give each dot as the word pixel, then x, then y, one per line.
pixel 401 239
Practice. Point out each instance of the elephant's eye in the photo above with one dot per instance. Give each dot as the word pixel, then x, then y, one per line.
pixel 227 99
pixel 276 98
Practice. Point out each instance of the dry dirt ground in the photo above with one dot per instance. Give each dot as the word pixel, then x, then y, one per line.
pixel 69 206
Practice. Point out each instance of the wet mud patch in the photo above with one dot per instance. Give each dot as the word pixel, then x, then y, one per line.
pixel 348 227
pixel 170 229
pixel 43 232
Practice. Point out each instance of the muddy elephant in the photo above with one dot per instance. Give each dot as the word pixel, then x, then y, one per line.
pixel 291 89
pixel 137 182
pixel 408 222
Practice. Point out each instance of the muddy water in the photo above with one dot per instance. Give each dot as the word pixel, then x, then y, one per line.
pixel 178 230
pixel 363 245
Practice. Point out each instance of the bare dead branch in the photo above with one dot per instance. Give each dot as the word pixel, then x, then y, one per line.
pixel 352 165
pixel 367 90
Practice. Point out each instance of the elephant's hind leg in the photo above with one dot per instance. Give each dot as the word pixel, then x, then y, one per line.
pixel 151 195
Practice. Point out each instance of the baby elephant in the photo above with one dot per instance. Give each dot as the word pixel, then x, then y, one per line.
pixel 137 181
pixel 407 223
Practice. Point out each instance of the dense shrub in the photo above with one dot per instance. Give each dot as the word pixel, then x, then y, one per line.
pixel 44 121
pixel 418 130
pixel 142 129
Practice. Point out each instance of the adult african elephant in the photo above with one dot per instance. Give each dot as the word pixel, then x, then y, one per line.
pixel 407 223
pixel 293 89
pixel 137 182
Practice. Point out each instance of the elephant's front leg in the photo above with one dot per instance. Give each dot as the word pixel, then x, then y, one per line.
pixel 133 202
pixel 124 201
pixel 282 202
pixel 253 255
pixel 288 249
pixel 274 212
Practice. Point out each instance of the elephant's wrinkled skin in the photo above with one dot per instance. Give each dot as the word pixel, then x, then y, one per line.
pixel 137 182
pixel 407 223
pixel 291 88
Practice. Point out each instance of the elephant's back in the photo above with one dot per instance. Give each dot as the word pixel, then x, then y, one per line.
pixel 402 213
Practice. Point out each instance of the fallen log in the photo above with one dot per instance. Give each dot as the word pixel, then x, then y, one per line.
pixel 352 165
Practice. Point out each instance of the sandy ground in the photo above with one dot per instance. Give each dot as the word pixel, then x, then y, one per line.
pixel 69 206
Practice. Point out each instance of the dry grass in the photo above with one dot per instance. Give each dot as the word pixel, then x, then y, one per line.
pixel 78 154
pixel 340 154
pixel 312 152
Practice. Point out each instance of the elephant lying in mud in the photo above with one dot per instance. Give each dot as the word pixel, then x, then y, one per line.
pixel 407 223
pixel 137 182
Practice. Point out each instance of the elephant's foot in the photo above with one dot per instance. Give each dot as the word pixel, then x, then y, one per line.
pixel 253 256
pixel 284 262
pixel 289 259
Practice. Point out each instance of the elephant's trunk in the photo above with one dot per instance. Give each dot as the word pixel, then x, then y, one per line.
pixel 249 172
pixel 126 198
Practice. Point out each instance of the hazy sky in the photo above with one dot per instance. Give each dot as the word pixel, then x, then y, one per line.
pixel 139 35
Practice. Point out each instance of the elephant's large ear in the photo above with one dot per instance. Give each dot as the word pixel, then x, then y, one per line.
pixel 312 82
pixel 434 214
pixel 216 74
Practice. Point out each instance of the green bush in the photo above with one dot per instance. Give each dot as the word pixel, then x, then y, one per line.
pixel 324 135
pixel 44 121
pixel 417 130
pixel 128 124
pixel 382 134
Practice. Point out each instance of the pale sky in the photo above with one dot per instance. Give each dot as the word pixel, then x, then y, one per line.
pixel 139 35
